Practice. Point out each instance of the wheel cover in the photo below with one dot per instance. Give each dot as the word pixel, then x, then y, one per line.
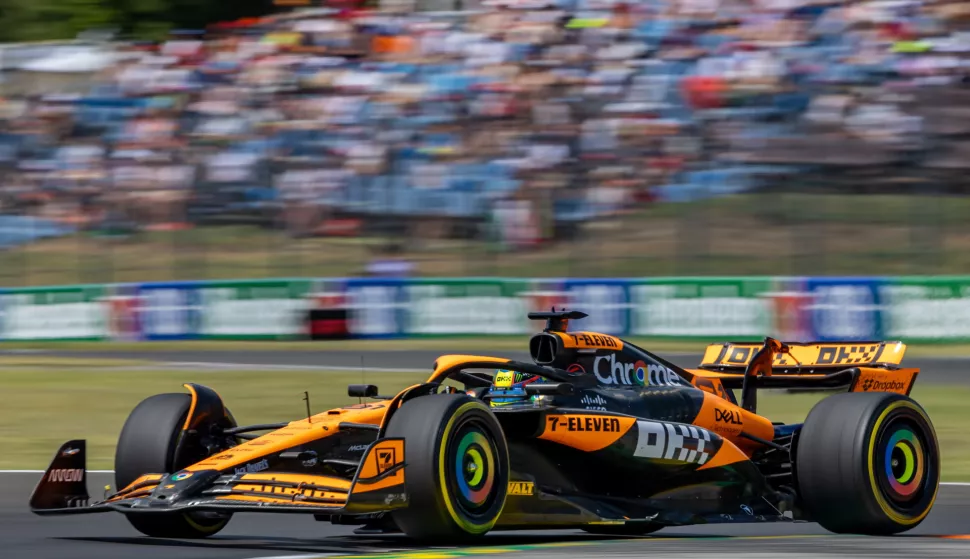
pixel 473 471
pixel 903 463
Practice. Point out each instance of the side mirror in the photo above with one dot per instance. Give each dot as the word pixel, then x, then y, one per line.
pixel 361 390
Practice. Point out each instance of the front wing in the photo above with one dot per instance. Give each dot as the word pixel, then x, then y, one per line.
pixel 378 485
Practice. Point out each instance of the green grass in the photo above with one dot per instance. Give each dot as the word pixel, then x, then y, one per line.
pixel 43 407
pixel 782 233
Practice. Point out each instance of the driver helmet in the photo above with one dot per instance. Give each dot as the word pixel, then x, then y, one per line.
pixel 509 387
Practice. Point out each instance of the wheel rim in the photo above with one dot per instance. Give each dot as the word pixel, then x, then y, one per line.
pixel 903 467
pixel 905 463
pixel 473 471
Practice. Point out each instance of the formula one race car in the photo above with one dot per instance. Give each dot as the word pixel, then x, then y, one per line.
pixel 596 434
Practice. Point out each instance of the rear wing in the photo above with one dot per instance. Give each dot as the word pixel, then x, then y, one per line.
pixel 734 357
pixel 858 366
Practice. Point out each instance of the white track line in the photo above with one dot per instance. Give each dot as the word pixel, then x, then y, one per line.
pixel 256 366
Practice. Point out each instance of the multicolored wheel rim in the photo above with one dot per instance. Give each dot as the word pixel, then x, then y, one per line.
pixel 902 466
pixel 474 468
pixel 905 462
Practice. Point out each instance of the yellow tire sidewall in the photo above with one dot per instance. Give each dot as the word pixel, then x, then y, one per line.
pixel 887 508
pixel 459 520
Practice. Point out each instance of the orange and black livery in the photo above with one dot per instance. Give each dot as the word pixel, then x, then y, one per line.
pixel 594 433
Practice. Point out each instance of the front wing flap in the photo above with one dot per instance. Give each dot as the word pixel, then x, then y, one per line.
pixel 378 485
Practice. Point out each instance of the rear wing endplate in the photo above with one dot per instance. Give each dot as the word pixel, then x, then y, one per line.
pixel 735 356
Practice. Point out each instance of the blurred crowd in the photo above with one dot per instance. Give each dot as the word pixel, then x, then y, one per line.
pixel 517 119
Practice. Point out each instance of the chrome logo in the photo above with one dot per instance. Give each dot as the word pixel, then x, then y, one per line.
pixel 640 372
pixel 181 476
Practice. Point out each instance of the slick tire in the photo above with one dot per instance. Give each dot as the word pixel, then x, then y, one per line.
pixel 867 463
pixel 457 468
pixel 147 445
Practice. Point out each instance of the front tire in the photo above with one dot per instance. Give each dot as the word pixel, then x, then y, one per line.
pixel 457 470
pixel 147 445
pixel 868 463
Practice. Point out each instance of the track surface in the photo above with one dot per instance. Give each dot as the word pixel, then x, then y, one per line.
pixel 108 536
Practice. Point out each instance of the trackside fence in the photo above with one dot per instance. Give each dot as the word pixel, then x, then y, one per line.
pixel 911 309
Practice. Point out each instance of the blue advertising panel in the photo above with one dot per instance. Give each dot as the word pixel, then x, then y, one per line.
pixel 377 307
pixel 606 301
pixel 169 311
pixel 845 308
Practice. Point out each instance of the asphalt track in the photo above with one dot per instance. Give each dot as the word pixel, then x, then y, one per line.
pixel 108 536
pixel 945 533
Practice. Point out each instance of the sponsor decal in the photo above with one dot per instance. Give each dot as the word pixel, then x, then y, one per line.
pixel 504 379
pixel 65 475
pixel 825 354
pixel 594 402
pixel 576 369
pixel 591 340
pixel 715 388
pixel 222 457
pixel 844 355
pixel 874 385
pixel 731 417
pixel 845 309
pixel 181 476
pixel 253 308
pixel 357 448
pixel 610 370
pixel 521 488
pixel 584 423
pixel 253 468
pixel 386 458
pixel 70 451
pixel 683 443
pixel 715 307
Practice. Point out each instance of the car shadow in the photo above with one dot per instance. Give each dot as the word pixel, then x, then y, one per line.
pixel 361 544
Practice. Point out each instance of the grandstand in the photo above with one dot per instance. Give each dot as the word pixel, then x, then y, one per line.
pixel 585 138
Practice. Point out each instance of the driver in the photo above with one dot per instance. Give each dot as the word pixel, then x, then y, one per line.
pixel 509 387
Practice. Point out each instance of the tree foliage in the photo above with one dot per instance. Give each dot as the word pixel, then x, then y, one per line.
pixel 39 20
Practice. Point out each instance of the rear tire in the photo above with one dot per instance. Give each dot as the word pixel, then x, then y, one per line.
pixel 147 445
pixel 457 470
pixel 868 463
